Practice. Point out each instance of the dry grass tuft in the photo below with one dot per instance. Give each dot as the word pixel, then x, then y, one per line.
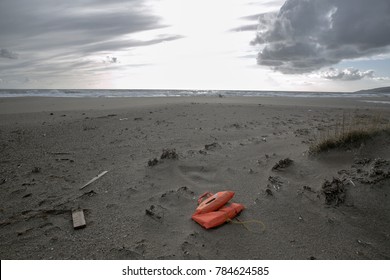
pixel 349 133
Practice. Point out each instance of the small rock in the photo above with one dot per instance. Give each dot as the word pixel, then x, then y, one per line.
pixel 169 154
pixel 283 163
pixel 269 192
pixel 36 169
pixel 212 146
pixel 153 162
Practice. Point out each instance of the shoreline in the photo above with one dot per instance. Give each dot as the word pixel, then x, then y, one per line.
pixel 10 105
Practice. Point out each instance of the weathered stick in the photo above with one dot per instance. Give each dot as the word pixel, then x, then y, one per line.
pixel 94 179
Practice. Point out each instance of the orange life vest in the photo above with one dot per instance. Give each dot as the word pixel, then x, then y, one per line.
pixel 217 218
pixel 213 211
pixel 213 202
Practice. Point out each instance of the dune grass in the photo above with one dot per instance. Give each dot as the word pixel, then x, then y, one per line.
pixel 349 132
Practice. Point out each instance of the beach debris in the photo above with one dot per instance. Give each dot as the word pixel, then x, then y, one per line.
pixel 3 180
pixel 107 116
pixel 302 132
pixel 330 221
pixel 65 159
pixel 169 154
pixel 380 169
pixel 363 243
pixel 22 232
pixel 212 146
pixel 275 181
pixel 283 163
pixel 78 219
pixel 94 179
pixel 368 171
pixel 60 153
pixel 269 192
pixel 236 125
pixel 123 119
pixel 153 162
pixel 362 161
pixel 89 127
pixel 138 119
pixel 334 191
pixel 166 154
pixel 88 194
pixel 36 169
pixel 307 188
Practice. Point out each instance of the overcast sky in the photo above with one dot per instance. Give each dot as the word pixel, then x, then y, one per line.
pixel 314 45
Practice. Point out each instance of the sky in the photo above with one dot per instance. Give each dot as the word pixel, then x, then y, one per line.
pixel 298 45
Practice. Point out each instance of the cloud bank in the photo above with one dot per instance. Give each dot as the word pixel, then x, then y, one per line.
pixel 52 24
pixel 66 39
pixel 349 74
pixel 306 35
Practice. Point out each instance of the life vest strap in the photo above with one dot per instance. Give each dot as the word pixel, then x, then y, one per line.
pixel 206 194
pixel 244 224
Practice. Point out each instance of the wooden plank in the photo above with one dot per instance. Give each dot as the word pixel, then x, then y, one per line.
pixel 78 219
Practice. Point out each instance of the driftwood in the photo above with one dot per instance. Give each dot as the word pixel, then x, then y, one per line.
pixel 94 179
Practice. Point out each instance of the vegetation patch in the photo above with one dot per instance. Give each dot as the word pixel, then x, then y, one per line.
pixel 349 134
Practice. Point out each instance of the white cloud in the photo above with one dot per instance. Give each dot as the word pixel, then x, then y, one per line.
pixel 349 74
pixel 307 35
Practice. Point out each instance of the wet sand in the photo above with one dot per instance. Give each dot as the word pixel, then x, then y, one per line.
pixel 50 147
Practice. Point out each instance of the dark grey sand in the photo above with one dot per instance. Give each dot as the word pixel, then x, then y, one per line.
pixel 50 147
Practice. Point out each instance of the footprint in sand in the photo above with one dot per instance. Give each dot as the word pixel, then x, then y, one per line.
pixel 197 175
pixel 177 199
pixel 195 247
pixel 123 254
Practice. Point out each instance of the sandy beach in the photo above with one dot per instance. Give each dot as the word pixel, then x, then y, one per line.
pixel 51 147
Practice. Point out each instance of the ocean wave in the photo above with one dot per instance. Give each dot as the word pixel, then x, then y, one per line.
pixel 108 93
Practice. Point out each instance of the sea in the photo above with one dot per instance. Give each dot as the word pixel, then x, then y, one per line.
pixel 112 93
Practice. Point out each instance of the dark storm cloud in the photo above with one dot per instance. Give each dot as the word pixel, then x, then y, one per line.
pixel 4 53
pixel 60 23
pixel 60 37
pixel 309 34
